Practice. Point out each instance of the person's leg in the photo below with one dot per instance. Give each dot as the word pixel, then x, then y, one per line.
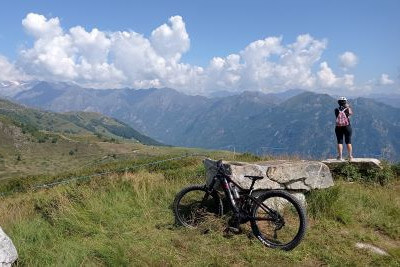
pixel 350 151
pixel 340 151
pixel 339 137
pixel 347 136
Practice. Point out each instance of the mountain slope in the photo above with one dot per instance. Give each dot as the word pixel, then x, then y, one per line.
pixel 286 123
pixel 34 142
pixel 34 120
pixel 164 114
pixel 303 125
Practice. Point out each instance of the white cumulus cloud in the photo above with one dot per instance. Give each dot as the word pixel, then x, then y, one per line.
pixel 171 41
pixel 348 60
pixel 327 79
pixel 268 65
pixel 8 71
pixel 100 59
pixel 385 80
pixel 38 26
pixel 107 59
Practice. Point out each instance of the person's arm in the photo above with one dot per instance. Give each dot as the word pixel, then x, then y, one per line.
pixel 336 112
pixel 349 110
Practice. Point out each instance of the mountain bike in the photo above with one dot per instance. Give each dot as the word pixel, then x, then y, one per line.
pixel 277 219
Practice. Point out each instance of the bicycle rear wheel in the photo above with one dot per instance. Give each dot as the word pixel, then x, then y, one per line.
pixel 193 205
pixel 278 220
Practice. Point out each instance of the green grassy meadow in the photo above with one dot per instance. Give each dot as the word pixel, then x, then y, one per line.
pixel 125 219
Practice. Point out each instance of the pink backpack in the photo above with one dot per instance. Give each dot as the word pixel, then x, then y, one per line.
pixel 342 119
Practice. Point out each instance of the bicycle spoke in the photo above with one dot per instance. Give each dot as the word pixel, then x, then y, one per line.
pixel 194 205
pixel 277 220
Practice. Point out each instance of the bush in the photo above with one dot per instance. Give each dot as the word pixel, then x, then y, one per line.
pixel 348 172
pixel 351 173
pixel 384 175
pixel 41 140
pixel 396 169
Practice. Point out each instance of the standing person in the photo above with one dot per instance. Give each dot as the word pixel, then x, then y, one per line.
pixel 343 127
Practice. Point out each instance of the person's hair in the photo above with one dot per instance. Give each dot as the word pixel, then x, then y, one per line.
pixel 342 102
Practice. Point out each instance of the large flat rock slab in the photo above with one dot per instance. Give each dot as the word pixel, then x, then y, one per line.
pixel 295 176
pixel 360 163
pixel 8 252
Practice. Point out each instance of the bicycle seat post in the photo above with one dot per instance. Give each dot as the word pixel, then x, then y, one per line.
pixel 252 185
pixel 253 179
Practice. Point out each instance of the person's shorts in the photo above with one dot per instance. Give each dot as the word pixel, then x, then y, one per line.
pixel 343 131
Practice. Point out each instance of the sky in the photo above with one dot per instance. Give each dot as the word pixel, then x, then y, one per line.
pixel 201 47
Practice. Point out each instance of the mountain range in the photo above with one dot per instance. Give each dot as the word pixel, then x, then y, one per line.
pixel 293 122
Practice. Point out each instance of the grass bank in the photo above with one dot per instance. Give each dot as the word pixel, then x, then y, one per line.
pixel 126 219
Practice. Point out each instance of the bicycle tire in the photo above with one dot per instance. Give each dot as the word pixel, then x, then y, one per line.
pixel 191 211
pixel 284 208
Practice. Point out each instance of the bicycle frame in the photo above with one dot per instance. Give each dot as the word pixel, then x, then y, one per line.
pixel 226 187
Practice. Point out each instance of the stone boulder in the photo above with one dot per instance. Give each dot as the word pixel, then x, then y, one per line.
pixel 8 252
pixel 296 177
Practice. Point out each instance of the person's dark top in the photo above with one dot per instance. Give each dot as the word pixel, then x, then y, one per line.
pixel 348 111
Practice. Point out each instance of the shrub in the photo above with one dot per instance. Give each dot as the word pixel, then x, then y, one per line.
pixel 396 169
pixel 384 175
pixel 351 173
pixel 348 172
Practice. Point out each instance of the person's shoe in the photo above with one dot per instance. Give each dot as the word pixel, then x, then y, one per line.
pixel 339 158
pixel 351 158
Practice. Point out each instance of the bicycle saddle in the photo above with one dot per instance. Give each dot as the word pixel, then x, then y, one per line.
pixel 254 177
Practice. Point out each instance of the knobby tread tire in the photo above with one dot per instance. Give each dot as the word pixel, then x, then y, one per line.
pixel 302 218
pixel 183 192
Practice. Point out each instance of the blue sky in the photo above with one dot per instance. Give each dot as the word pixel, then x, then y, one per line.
pixel 368 30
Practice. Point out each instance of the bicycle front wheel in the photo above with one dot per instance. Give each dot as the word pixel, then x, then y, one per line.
pixel 278 220
pixel 193 205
